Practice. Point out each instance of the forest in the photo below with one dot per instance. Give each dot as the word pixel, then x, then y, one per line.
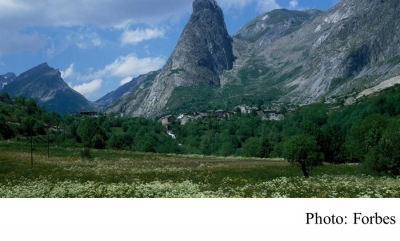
pixel 367 133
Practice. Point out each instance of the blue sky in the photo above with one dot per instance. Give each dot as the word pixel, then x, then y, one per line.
pixel 100 44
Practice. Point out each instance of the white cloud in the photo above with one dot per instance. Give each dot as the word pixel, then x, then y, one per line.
pixel 126 80
pixel 89 88
pixel 294 4
pixel 68 72
pixel 139 35
pixel 130 65
pixel 16 16
pixel 87 38
pixel 267 5
pixel 26 13
pixel 124 67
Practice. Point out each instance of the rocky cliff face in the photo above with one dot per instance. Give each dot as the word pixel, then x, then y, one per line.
pixel 271 26
pixel 109 98
pixel 45 85
pixel 350 47
pixel 202 54
pixel 132 99
pixel 355 46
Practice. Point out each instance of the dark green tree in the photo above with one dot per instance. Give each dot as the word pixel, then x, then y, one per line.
pixel 302 150
pixel 384 158
pixel 363 136
pixel 252 147
pixel 91 134
pixel 331 142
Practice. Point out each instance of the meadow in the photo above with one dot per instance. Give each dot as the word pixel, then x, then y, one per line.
pixel 124 174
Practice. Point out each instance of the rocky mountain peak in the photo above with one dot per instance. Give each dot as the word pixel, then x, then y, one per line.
pixel 44 84
pixel 206 33
pixel 200 5
pixel 203 53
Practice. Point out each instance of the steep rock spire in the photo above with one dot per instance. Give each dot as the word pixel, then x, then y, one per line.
pixel 203 52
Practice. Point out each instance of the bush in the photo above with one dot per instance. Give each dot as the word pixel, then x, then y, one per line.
pixel 98 142
pixel 86 153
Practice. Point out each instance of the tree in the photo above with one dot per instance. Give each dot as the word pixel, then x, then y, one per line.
pixel 332 139
pixel 364 136
pixel 384 158
pixel 303 150
pixel 226 149
pixel 257 147
pixel 5 131
pixel 252 147
pixel 91 134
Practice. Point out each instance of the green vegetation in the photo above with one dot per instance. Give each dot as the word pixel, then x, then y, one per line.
pixel 125 174
pixel 140 153
pixel 304 151
pixel 205 97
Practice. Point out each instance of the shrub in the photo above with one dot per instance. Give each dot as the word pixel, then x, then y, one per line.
pixel 86 153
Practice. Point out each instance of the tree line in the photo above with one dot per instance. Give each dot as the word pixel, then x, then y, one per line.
pixel 367 132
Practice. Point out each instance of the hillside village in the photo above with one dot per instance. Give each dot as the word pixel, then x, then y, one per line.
pixel 274 113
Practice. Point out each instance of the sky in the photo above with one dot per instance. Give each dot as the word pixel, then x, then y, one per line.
pixel 98 45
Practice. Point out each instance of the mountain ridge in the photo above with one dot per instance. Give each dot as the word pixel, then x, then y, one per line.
pixel 112 96
pixel 287 56
pixel 45 85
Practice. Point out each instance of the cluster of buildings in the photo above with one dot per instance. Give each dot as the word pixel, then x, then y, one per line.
pixel 94 114
pixel 184 118
pixel 272 114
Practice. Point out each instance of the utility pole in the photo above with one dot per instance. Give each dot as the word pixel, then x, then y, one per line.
pixel 30 130
pixel 48 142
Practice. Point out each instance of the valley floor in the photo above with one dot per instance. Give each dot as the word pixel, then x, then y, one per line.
pixel 141 175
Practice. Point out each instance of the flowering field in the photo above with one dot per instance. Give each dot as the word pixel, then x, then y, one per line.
pixel 126 174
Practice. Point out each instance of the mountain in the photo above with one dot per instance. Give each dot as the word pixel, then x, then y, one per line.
pixel 116 94
pixel 45 85
pixel 203 53
pixel 195 74
pixel 271 26
pixel 290 56
pixel 130 101
pixel 6 79
pixel 351 47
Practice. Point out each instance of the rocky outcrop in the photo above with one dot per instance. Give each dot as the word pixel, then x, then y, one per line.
pixel 203 53
pixel 271 26
pixel 130 101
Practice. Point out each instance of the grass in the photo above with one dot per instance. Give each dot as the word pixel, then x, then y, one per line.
pixel 129 174
pixel 117 130
pixel 204 97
